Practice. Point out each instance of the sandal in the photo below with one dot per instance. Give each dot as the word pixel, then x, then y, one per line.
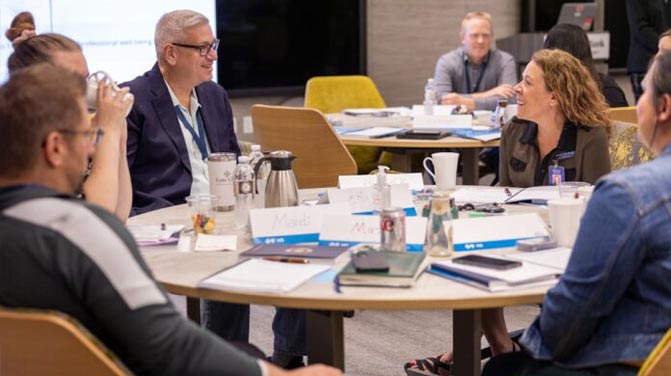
pixel 427 366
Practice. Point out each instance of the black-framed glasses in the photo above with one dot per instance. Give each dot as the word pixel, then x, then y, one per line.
pixel 93 134
pixel 203 49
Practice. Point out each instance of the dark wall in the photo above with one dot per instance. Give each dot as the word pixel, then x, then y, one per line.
pixel 547 11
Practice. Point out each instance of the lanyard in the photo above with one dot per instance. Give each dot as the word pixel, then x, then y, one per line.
pixel 468 75
pixel 200 140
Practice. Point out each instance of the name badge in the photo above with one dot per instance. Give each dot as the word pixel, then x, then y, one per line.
pixel 361 200
pixel 290 225
pixel 349 230
pixel 413 180
pixel 556 175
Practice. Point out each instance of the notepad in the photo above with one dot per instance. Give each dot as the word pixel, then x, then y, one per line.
pixel 263 276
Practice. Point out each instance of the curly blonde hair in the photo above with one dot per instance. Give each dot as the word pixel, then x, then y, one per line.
pixel 576 91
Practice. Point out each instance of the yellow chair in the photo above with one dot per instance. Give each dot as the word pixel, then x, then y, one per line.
pixel 330 94
pixel 51 343
pixel 320 154
pixel 625 148
pixel 626 114
pixel 658 362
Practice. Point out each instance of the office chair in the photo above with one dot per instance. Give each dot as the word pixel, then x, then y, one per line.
pixel 51 343
pixel 625 114
pixel 320 154
pixel 624 147
pixel 330 94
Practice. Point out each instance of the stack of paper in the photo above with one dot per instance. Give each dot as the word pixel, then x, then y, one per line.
pixel 527 276
pixel 375 132
pixel 263 276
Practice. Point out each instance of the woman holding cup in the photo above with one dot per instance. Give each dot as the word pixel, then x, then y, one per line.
pixel 108 181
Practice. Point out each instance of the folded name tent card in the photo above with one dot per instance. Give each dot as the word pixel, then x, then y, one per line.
pixel 472 234
pixel 295 250
pixel 361 200
pixel 441 121
pixel 290 225
pixel 349 230
pixel 263 276
pixel 438 110
pixel 413 180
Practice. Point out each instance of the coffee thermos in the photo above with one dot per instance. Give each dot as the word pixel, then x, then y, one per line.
pixel 281 187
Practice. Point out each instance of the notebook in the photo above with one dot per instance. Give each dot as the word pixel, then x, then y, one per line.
pixel 404 269
pixel 295 250
pixel 263 276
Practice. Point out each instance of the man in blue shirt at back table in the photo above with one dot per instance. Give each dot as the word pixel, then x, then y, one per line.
pixel 475 75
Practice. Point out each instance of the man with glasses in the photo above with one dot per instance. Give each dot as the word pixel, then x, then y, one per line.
pixel 179 117
pixel 61 253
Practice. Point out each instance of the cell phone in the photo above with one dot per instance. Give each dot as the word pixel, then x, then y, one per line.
pixel 536 244
pixel 369 261
pixel 426 134
pixel 487 262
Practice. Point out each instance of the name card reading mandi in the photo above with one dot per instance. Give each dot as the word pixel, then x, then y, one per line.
pixel 290 225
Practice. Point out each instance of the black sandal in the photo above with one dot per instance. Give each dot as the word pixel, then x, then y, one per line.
pixel 427 366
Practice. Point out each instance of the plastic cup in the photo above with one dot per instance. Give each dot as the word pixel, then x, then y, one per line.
pixel 202 209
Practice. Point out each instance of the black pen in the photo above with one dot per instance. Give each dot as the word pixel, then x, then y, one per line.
pixel 291 260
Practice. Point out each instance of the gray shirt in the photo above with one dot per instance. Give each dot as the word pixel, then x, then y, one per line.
pixel 450 75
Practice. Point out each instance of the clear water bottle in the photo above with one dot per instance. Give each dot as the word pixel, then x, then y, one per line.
pixel 261 177
pixel 429 96
pixel 499 118
pixel 244 191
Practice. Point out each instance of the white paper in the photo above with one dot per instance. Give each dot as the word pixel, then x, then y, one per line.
pixel 542 193
pixel 479 194
pixel 264 276
pixel 470 234
pixel 375 132
pixel 413 180
pixel 442 121
pixel 208 243
pixel 553 258
pixel 438 109
pixel 153 232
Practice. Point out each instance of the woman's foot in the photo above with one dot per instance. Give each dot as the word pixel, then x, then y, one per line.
pixel 437 365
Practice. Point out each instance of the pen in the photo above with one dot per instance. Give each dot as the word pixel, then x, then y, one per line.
pixel 291 260
pixel 507 191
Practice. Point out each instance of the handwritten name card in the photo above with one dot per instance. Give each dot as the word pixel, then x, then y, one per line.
pixel 349 230
pixel 413 180
pixel 362 200
pixel 290 225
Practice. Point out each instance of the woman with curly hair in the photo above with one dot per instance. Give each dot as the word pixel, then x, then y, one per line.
pixel 562 122
pixel 108 183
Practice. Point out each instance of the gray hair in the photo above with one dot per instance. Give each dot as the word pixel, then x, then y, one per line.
pixel 661 76
pixel 169 28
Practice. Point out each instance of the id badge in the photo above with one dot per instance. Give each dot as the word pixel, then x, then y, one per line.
pixel 556 175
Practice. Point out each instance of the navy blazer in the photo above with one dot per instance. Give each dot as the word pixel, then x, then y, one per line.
pixel 158 160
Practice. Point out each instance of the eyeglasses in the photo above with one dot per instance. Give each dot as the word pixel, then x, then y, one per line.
pixel 94 134
pixel 203 49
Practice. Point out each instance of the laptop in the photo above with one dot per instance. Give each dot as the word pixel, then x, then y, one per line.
pixel 581 14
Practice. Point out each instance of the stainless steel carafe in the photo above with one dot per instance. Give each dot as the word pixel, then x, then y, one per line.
pixel 281 188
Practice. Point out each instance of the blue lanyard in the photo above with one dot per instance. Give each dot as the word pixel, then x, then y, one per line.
pixel 468 74
pixel 200 140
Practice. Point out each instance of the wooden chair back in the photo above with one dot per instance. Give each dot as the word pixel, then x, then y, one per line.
pixel 659 360
pixel 320 154
pixel 51 343
pixel 626 114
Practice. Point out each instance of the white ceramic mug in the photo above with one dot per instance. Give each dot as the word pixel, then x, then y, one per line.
pixel 445 167
pixel 565 216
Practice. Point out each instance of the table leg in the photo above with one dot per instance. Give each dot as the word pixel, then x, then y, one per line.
pixel 325 339
pixel 466 342
pixel 193 309
pixel 471 169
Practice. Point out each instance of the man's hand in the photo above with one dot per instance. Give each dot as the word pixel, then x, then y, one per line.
pixel 456 99
pixel 504 91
